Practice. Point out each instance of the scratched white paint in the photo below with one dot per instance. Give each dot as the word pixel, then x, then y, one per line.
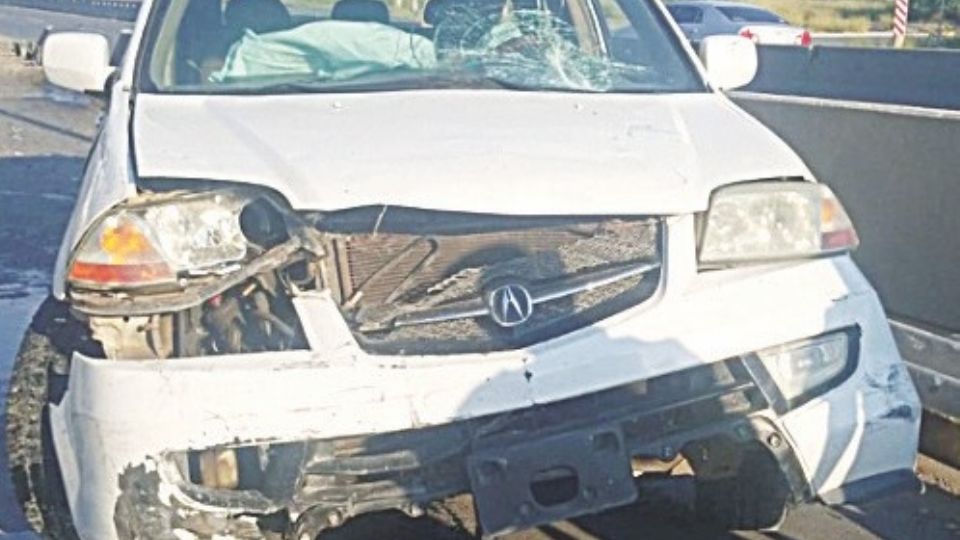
pixel 119 413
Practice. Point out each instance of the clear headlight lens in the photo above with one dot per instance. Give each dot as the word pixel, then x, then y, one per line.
pixel 776 220
pixel 802 368
pixel 155 244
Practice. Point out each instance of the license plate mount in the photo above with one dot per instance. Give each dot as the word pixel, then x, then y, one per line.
pixel 549 479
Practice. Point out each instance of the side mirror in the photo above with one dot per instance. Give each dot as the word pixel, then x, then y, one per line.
pixel 731 61
pixel 77 61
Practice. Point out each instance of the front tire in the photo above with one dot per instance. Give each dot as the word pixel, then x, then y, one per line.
pixel 37 380
pixel 756 499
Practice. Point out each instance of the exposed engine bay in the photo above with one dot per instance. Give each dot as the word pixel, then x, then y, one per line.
pixel 407 281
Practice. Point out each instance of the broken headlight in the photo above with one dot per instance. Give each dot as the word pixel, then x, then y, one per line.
pixel 774 220
pixel 158 241
pixel 806 368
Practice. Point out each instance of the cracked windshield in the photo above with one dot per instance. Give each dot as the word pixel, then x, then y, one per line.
pixel 268 46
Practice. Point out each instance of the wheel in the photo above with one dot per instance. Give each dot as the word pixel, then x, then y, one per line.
pixel 38 379
pixel 756 499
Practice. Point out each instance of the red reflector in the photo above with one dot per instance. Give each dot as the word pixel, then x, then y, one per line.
pixel 842 239
pixel 117 274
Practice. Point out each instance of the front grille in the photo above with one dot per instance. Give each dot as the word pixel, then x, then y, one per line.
pixel 428 291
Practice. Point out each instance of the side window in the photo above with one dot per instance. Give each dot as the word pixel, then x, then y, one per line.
pixel 631 33
pixel 686 14
pixel 616 19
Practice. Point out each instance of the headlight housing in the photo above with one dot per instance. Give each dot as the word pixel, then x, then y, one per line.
pixel 157 242
pixel 774 220
pixel 804 369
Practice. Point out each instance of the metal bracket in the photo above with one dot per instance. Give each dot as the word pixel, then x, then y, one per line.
pixel 581 472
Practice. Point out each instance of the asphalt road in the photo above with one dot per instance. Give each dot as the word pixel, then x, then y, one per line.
pixel 44 136
pixel 26 24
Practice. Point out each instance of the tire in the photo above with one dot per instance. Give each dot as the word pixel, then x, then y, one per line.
pixel 38 379
pixel 757 499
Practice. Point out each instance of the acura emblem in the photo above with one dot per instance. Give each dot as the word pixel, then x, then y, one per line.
pixel 510 305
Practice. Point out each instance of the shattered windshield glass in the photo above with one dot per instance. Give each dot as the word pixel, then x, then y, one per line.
pixel 531 49
pixel 267 46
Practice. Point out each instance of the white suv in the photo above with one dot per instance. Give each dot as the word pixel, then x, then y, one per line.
pixel 333 262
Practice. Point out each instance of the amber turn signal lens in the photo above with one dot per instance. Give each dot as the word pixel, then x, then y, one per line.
pixel 158 242
pixel 123 242
pixel 123 255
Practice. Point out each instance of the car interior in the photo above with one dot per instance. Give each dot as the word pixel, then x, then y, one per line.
pixel 197 35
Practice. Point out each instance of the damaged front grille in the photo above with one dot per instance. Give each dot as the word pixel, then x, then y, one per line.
pixel 450 283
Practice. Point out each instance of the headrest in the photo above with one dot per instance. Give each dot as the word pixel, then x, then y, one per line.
pixel 361 11
pixel 261 16
pixel 435 11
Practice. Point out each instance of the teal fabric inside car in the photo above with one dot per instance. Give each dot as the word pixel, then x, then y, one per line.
pixel 326 50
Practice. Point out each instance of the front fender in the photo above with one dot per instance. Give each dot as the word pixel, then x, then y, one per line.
pixel 108 178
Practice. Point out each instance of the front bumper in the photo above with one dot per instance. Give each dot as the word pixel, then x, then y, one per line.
pixel 117 416
pixel 586 442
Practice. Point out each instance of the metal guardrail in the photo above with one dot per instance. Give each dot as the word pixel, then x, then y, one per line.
pixel 933 360
pixel 112 9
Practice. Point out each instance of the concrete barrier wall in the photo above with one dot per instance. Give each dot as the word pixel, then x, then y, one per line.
pixel 897 171
pixel 919 77
pixel 125 10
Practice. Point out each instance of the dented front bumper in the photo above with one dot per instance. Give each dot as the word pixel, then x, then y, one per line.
pixel 120 422
pixel 524 468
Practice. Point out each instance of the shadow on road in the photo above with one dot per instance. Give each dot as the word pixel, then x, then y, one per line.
pixel 36 197
pixel 10 115
pixel 930 516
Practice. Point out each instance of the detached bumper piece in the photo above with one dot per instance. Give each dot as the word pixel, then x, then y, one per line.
pixel 524 468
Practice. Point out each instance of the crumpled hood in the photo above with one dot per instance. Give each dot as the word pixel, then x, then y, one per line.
pixel 473 151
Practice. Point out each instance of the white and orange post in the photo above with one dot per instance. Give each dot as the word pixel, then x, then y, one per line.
pixel 901 12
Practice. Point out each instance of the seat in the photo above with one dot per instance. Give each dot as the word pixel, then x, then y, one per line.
pixel 361 11
pixel 260 16
pixel 435 10
pixel 194 46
